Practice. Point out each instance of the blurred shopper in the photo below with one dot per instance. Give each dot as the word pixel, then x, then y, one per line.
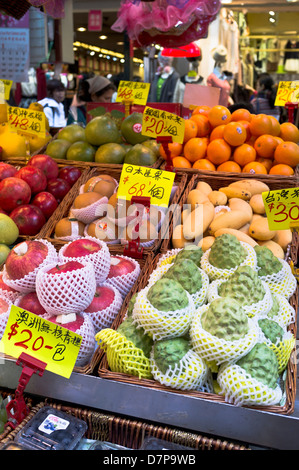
pixel 54 103
pixel 264 99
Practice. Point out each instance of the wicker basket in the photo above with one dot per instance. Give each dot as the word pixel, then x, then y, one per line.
pixel 127 432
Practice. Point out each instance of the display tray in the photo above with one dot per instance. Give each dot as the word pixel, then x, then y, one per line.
pixel 126 432
pixel 64 209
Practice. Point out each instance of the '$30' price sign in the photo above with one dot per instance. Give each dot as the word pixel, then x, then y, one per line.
pixel 282 208
pixel 27 121
pixel 159 123
pixel 49 342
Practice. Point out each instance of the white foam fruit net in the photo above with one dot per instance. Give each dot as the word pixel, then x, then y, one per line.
pixel 100 259
pixel 286 314
pixel 125 282
pixel 27 283
pixel 4 316
pixel 217 273
pixel 93 211
pixel 104 318
pixel 282 348
pixel 161 325
pixel 283 282
pixel 189 374
pixel 168 257
pixel 218 350
pixel 74 231
pixel 240 388
pixel 10 295
pixel 63 293
pixel 253 310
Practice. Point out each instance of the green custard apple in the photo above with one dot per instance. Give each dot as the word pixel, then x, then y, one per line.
pixel 275 307
pixel 267 262
pixel 136 335
pixel 169 352
pixel 271 329
pixel 227 252
pixel 131 305
pixel 192 252
pixel 243 285
pixel 225 319
pixel 167 295
pixel 261 363
pixel 186 272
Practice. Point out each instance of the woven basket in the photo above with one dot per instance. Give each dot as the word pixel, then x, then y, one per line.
pixel 15 8
pixel 64 208
pixel 127 432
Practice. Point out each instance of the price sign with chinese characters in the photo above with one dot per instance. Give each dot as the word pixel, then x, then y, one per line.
pixel 146 182
pixel 27 121
pixel 5 86
pixel 288 92
pixel 49 342
pixel 159 123
pixel 137 92
pixel 282 208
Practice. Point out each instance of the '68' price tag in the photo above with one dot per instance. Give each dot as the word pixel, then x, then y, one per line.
pixel 27 121
pixel 159 123
pixel 49 342
pixel 282 208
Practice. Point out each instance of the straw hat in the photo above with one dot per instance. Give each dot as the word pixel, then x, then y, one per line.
pixel 219 54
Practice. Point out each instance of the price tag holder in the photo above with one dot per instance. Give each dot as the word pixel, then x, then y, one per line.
pixel 287 92
pixel 160 123
pixel 136 92
pixel 142 181
pixel 5 86
pixel 46 341
pixel 282 208
pixel 27 121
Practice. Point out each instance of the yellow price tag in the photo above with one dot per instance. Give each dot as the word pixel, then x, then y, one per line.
pixel 145 182
pixel 159 123
pixel 287 92
pixel 49 342
pixel 137 92
pixel 27 121
pixel 5 86
pixel 282 208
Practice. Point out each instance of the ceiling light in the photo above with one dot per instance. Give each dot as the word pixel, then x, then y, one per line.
pixel 272 13
pixel 120 43
pixel 272 20
pixel 103 36
pixel 224 2
pixel 92 53
pixel 81 28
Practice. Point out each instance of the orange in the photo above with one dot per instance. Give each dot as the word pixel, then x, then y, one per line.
pixel 234 134
pixel 267 162
pixel 241 115
pixel 204 164
pixel 190 130
pixel 287 153
pixel 281 169
pixel 195 149
pixel 278 139
pixel 203 125
pixel 218 151
pixel 246 124
pixel 181 162
pixel 251 140
pixel 255 167
pixel 265 145
pixel 289 132
pixel 260 124
pixel 203 109
pixel 244 154
pixel 275 126
pixel 175 149
pixel 217 132
pixel 219 115
pixel 229 166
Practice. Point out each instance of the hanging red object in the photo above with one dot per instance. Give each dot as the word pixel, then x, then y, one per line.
pixel 190 50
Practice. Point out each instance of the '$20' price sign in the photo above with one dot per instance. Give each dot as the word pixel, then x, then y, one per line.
pixel 49 342
pixel 159 123
pixel 282 208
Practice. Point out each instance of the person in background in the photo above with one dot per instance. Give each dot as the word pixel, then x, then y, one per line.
pixel 53 104
pixel 166 86
pixel 264 98
pixel 98 89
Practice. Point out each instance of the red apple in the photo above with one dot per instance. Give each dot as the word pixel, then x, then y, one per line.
pixel 120 266
pixel 4 287
pixel 14 192
pixel 103 297
pixel 3 306
pixel 59 188
pixel 28 218
pixel 35 178
pixel 7 170
pixel 46 202
pixel 46 163
pixel 65 267
pixel 81 247
pixel 70 174
pixel 24 258
pixel 31 303
pixel 73 326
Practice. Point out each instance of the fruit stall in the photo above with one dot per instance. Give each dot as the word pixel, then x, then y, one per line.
pixel 189 333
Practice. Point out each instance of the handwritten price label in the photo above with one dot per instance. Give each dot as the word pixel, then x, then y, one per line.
pixel 282 208
pixel 27 121
pixel 137 92
pixel 49 342
pixel 287 92
pixel 159 123
pixel 145 182
pixel 5 86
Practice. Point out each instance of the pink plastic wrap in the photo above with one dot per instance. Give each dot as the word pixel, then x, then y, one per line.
pixel 54 8
pixel 165 23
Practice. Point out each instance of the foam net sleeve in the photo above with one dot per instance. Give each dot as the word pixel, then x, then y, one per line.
pixel 104 318
pixel 125 282
pixel 89 213
pixel 283 282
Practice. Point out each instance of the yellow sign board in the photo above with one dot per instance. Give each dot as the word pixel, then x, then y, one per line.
pixel 47 341
pixel 27 121
pixel 287 92
pixel 282 208
pixel 160 123
pixel 5 86
pixel 137 92
pixel 145 182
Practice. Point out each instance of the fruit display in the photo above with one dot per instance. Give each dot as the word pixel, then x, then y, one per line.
pixel 236 344
pixel 106 141
pixel 30 194
pixel 239 142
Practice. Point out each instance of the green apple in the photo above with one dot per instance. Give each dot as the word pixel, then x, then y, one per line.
pixel 4 251
pixel 9 231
